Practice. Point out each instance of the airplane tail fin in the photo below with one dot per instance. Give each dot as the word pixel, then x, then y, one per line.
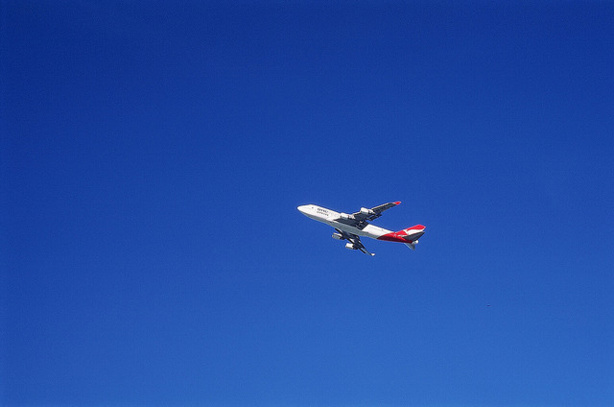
pixel 407 236
pixel 411 235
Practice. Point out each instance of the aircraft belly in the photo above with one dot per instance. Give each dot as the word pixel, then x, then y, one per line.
pixel 347 228
pixel 374 232
pixel 369 231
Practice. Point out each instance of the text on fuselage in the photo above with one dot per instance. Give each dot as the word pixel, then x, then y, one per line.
pixel 322 211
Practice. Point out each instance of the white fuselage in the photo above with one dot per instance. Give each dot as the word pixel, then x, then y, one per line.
pixel 335 219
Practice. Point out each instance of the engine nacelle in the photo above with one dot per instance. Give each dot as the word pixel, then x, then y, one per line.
pixel 337 236
pixel 344 215
pixel 350 246
pixel 366 211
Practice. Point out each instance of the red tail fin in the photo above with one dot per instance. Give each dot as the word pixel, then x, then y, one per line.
pixel 412 230
pixel 408 235
pixel 413 233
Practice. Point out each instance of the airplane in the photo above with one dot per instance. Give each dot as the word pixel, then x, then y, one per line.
pixel 351 227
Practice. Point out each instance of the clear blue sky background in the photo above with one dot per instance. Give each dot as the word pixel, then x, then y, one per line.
pixel 153 155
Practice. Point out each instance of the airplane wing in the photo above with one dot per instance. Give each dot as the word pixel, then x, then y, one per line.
pixel 355 240
pixel 373 213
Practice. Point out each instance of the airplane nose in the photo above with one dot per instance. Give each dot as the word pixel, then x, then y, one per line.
pixel 301 208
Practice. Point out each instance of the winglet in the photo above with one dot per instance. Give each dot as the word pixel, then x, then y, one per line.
pixel 397 203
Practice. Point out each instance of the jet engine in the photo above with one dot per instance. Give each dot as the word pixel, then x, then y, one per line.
pixel 350 246
pixel 337 236
pixel 344 215
pixel 366 211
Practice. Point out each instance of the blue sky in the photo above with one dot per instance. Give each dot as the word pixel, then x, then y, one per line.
pixel 153 155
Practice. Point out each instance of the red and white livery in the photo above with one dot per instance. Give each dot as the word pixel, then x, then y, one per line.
pixel 351 226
